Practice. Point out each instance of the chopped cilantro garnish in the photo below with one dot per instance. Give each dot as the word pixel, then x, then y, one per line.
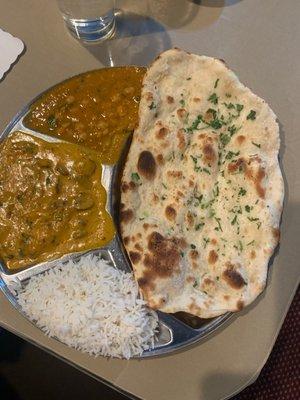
pixel 152 106
pixel 251 115
pixel 231 154
pixel 219 223
pixel 216 124
pixel 182 102
pixel 211 213
pixel 216 191
pixel 247 208
pixel 225 139
pixel 213 98
pixel 193 246
pixel 256 144
pixel 239 107
pixel 196 167
pixel 241 248
pixel 189 78
pixel 229 105
pixel 233 129
pixel 195 284
pixel 227 94
pixel 242 192
pixel 165 186
pixel 234 220
pixel 253 219
pixel 135 177
pixel 195 123
pixel 171 156
pixel 182 254
pixel 206 170
pixel 199 226
pixel 206 241
pixel 249 244
pixel 216 83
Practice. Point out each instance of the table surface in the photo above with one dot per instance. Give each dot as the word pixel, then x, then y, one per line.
pixel 20 369
pixel 260 41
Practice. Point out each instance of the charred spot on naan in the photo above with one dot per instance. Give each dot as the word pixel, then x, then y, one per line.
pixel 126 216
pixel 126 240
pixel 193 308
pixel 128 186
pixel 134 256
pixel 255 173
pixel 276 234
pixel 181 113
pixel 240 305
pixel 181 139
pixel 163 257
pixel 212 257
pixel 233 278
pixel 240 139
pixel 160 159
pixel 189 218
pixel 138 247
pixel 193 254
pixel 162 132
pixel 146 165
pixel 170 99
pixel 174 174
pixel 237 166
pixel 170 213
pixel 148 96
pixel 209 154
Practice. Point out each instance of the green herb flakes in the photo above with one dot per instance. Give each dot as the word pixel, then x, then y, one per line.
pixel 234 220
pixel 135 177
pixel 242 192
pixel 206 241
pixel 252 115
pixel 219 223
pixel 199 226
pixel 213 98
pixel 225 139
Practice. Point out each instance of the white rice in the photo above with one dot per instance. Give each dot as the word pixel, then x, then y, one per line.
pixel 91 306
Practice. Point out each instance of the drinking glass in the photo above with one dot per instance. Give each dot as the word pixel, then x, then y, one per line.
pixel 89 20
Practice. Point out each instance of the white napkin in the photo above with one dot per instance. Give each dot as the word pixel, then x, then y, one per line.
pixel 10 48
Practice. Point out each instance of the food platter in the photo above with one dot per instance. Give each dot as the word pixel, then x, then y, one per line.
pixel 175 332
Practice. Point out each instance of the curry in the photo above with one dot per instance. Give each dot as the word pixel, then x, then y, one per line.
pixel 51 200
pixel 98 109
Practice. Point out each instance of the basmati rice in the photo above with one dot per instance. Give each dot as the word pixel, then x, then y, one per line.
pixel 92 306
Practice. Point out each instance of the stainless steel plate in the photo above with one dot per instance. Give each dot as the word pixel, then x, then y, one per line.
pixel 175 331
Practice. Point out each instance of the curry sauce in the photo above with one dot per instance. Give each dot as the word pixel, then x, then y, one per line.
pixel 98 109
pixel 51 200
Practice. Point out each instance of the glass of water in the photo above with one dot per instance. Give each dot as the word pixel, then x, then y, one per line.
pixel 89 20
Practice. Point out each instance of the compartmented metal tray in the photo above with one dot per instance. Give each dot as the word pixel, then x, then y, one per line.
pixel 175 330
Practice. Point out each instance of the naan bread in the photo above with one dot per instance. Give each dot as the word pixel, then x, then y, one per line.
pixel 202 190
